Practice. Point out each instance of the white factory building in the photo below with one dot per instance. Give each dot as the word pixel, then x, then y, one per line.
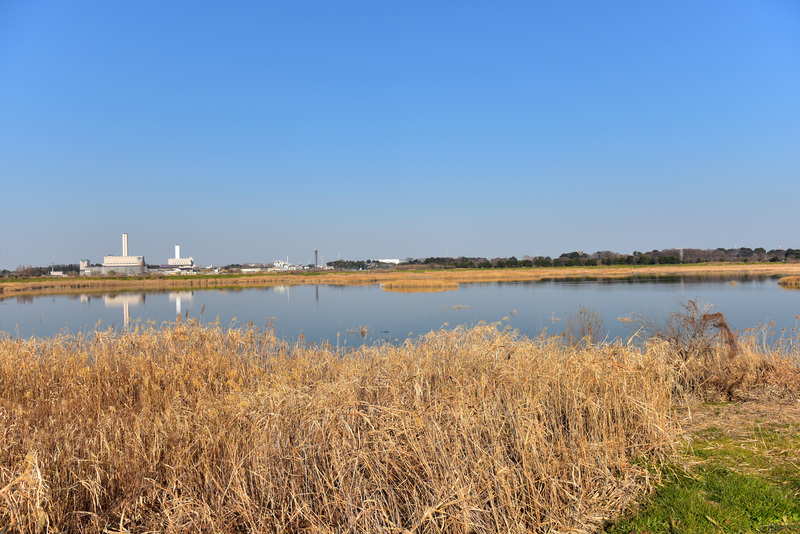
pixel 178 262
pixel 122 265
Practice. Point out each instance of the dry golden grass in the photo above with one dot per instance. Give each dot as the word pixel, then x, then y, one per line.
pixel 792 282
pixel 193 428
pixel 415 285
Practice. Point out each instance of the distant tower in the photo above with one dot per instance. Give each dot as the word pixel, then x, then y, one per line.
pixel 125 245
pixel 177 252
pixel 316 262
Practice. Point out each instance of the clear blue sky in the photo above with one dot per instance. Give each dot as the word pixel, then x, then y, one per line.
pixel 253 131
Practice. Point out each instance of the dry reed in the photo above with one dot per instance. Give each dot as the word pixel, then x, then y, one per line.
pixel 792 282
pixel 416 285
pixel 196 428
pixel 710 360
pixel 192 428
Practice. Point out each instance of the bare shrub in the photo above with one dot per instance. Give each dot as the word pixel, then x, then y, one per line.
pixel 703 348
pixel 585 328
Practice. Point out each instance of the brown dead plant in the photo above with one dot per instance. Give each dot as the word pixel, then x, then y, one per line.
pixel 585 328
pixel 191 428
pixel 703 348
pixel 790 282
pixel 24 497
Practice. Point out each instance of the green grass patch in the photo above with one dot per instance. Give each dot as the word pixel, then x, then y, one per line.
pixel 733 481
pixel 716 499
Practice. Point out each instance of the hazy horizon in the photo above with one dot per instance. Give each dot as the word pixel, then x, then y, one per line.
pixel 252 132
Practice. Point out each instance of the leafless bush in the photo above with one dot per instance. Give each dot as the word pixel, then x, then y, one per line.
pixel 585 327
pixel 703 348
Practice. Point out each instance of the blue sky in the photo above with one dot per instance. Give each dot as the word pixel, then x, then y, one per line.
pixel 253 131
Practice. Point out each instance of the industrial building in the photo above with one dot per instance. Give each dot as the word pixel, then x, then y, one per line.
pixel 121 265
pixel 178 262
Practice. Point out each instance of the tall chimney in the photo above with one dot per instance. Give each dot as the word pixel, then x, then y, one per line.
pixel 124 244
pixel 177 252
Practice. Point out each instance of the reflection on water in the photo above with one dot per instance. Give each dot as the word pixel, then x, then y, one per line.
pixel 366 314
pixel 178 297
pixel 124 301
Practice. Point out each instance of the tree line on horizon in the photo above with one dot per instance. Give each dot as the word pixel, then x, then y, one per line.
pixel 30 271
pixel 580 258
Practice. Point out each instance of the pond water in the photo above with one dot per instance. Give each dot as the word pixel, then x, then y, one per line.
pixel 352 315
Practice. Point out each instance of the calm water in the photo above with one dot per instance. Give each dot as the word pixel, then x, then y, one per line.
pixel 364 314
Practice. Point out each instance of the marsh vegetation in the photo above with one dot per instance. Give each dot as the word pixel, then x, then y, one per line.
pixel 792 282
pixel 191 427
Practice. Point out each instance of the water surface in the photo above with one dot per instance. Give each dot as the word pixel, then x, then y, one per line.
pixel 362 314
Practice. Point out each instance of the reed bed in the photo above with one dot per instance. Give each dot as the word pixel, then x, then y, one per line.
pixel 416 285
pixel 190 428
pixel 792 282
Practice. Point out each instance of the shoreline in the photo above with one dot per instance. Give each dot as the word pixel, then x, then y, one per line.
pixel 394 278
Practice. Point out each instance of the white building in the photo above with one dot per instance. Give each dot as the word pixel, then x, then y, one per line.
pixel 279 265
pixel 116 264
pixel 177 261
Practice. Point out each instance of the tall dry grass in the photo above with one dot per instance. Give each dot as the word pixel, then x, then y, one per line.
pixel 193 428
pixel 792 282
pixel 415 285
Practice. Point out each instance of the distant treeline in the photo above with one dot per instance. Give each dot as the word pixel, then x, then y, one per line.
pixel 580 258
pixel 29 271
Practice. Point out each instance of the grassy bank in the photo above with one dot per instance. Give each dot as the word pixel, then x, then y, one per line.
pixel 394 280
pixel 737 469
pixel 193 428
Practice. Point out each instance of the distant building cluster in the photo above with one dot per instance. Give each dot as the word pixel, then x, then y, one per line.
pixel 277 266
pixel 178 262
pixel 122 265
pixel 127 265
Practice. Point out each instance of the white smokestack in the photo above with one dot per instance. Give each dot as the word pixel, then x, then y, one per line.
pixel 124 244
pixel 177 252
